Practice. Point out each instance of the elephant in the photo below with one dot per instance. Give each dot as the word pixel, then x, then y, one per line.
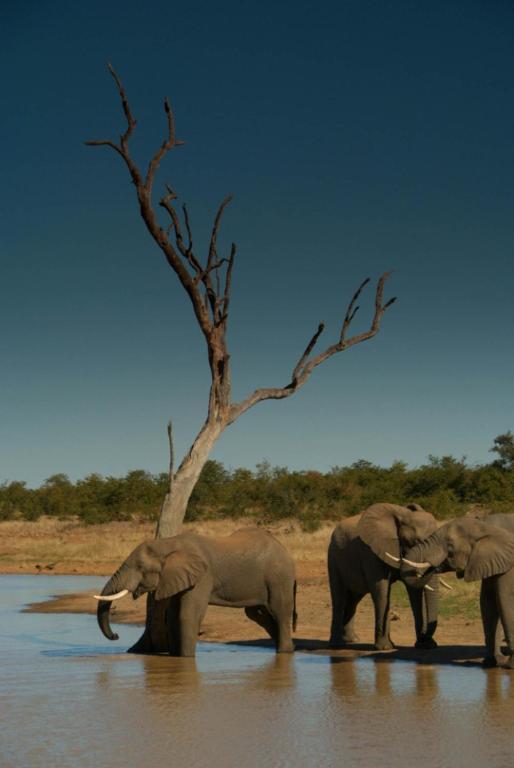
pixel 475 550
pixel 364 557
pixel 249 569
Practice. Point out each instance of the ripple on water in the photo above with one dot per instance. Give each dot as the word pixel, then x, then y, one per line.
pixel 68 698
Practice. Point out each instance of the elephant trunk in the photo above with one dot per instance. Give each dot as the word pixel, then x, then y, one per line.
pixel 116 583
pixel 432 553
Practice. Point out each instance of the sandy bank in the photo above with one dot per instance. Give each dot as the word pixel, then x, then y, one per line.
pixel 66 547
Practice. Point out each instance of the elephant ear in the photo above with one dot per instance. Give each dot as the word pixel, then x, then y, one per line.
pixel 181 570
pixel 378 529
pixel 491 555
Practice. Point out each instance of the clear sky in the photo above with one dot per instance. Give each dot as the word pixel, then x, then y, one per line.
pixel 357 136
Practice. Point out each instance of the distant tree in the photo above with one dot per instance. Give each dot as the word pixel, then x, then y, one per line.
pixel 208 284
pixel 57 496
pixel 504 447
pixel 16 500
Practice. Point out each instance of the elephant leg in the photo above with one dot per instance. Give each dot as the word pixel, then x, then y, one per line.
pixel 173 625
pixel 193 606
pixel 490 619
pixel 264 619
pixel 416 604
pixel 430 612
pixel 351 603
pixel 339 596
pixel 281 609
pixel 505 603
pixel 380 594
pixel 425 616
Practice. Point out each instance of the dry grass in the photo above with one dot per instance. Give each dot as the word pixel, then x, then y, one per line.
pixel 65 546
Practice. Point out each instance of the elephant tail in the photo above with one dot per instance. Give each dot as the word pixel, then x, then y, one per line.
pixel 295 615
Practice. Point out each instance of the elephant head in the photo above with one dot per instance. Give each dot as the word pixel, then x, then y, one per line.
pixel 390 529
pixel 163 566
pixel 472 548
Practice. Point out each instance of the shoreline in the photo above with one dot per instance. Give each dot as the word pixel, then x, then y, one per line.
pixel 228 626
pixel 64 547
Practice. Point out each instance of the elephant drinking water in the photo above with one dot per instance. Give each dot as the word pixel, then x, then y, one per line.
pixel 249 569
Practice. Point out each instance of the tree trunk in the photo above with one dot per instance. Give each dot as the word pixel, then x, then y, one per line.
pixel 208 286
pixel 175 502
pixel 155 637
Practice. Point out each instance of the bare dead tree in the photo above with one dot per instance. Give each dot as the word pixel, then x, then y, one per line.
pixel 208 284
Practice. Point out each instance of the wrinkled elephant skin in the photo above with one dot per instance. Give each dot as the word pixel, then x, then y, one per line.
pixel 476 550
pixel 249 569
pixel 363 557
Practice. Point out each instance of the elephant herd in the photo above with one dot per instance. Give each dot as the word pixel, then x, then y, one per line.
pixel 250 569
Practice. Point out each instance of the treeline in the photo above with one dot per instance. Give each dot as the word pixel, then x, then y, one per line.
pixel 445 486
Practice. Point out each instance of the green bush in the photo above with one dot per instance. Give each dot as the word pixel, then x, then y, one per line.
pixel 444 486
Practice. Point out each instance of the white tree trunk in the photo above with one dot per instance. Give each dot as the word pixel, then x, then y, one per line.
pixel 174 506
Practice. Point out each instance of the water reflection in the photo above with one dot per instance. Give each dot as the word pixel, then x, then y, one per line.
pixel 69 698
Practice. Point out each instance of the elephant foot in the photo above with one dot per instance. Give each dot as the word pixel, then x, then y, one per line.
pixel 507 662
pixel 337 643
pixel 384 644
pixel 288 648
pixel 425 643
pixel 498 660
pixel 350 637
pixel 143 645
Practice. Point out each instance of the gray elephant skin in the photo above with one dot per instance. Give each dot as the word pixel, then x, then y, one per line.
pixel 249 569
pixel 475 550
pixel 359 562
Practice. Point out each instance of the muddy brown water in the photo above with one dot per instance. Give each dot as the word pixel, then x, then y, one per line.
pixel 70 698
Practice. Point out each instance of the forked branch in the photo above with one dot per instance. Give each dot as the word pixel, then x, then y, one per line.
pixel 209 290
pixel 202 283
pixel 306 364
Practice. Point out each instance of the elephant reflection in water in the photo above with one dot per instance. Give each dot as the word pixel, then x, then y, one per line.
pixel 163 675
pixel 350 678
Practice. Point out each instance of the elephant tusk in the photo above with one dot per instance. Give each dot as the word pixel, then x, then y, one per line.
pixel 418 566
pixel 430 589
pixel 392 557
pixel 445 584
pixel 110 598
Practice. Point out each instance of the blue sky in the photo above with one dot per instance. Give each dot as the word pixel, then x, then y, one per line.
pixel 356 137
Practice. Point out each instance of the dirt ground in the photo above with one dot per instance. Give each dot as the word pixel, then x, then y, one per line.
pixel 65 547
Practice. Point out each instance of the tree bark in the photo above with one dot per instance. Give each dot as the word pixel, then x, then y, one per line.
pixel 174 507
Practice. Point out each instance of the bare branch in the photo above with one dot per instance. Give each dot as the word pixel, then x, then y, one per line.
pixel 131 123
pixel 188 227
pixel 166 145
pixel 351 311
pixel 179 240
pixel 215 228
pixel 172 458
pixel 228 285
pixel 308 350
pixel 104 143
pixel 122 148
pixel 305 367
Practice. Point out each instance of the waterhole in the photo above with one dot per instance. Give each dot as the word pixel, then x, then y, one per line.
pixel 68 697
